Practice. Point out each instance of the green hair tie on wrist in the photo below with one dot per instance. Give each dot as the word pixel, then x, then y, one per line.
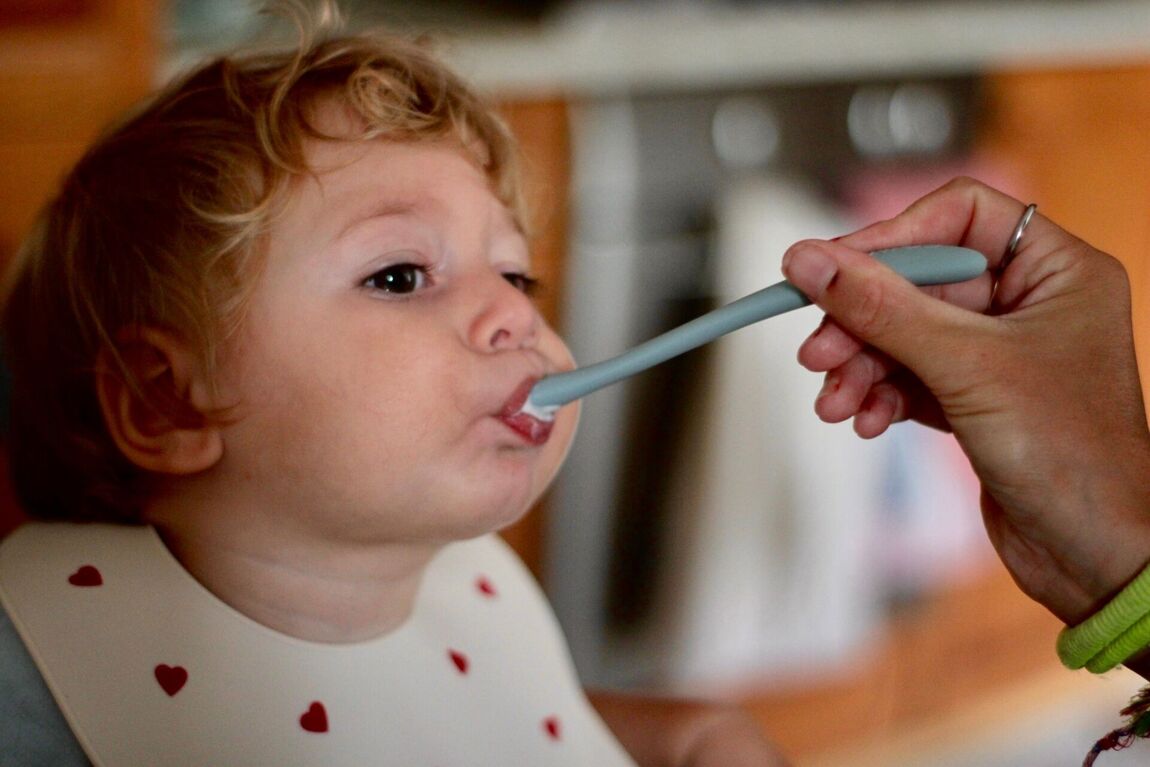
pixel 1112 635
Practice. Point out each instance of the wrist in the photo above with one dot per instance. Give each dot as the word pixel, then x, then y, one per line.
pixel 1106 604
pixel 1115 634
pixel 1117 556
pixel 1084 585
pixel 1093 533
pixel 1108 498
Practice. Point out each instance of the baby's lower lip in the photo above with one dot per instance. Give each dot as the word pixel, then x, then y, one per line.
pixel 530 428
pixel 533 430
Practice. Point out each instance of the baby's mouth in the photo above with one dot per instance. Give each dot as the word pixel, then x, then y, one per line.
pixel 532 429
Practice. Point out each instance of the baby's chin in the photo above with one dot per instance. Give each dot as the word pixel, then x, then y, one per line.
pixel 559 444
pixel 499 513
pixel 501 520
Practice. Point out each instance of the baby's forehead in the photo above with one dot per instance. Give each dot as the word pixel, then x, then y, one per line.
pixel 391 175
pixel 354 163
pixel 357 186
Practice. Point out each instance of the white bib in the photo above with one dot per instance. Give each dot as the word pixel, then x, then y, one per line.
pixel 150 668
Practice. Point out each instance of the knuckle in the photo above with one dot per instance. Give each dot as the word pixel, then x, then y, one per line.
pixel 965 183
pixel 1113 270
pixel 1100 270
pixel 965 187
pixel 871 315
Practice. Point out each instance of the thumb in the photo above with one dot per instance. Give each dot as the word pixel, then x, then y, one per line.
pixel 878 306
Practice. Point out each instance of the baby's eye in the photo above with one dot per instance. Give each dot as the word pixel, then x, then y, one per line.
pixel 399 279
pixel 522 282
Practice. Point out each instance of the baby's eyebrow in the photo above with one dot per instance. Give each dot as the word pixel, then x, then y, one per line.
pixel 381 209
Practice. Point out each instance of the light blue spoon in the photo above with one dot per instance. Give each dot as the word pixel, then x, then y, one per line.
pixel 921 264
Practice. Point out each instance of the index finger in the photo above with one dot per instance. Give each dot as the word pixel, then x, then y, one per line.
pixel 963 212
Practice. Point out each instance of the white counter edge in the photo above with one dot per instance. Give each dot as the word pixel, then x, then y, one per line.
pixel 619 48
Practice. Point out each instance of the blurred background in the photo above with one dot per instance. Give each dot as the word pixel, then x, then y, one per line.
pixel 709 536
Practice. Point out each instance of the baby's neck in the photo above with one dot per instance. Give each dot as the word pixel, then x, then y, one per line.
pixel 320 593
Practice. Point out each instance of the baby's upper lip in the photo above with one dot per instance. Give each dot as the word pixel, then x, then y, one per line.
pixel 514 403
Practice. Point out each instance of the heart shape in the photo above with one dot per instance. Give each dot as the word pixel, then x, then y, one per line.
pixel 86 576
pixel 315 718
pixel 171 678
pixel 485 587
pixel 551 727
pixel 460 660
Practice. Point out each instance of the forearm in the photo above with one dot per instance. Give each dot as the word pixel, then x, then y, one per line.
pixel 661 732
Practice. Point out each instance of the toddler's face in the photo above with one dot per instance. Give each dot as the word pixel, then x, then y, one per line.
pixel 387 338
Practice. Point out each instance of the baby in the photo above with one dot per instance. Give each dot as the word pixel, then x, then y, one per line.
pixel 268 346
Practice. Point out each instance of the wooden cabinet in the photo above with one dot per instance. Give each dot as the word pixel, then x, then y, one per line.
pixel 67 67
pixel 1082 139
pixel 66 70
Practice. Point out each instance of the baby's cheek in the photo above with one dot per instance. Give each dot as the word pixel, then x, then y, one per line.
pixel 558 446
pixel 567 419
pixel 554 348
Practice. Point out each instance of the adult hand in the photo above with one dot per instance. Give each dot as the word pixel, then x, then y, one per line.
pixel 1036 377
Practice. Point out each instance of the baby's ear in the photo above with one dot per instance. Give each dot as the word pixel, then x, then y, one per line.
pixel 159 421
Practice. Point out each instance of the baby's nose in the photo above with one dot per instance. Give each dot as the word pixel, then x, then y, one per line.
pixel 506 317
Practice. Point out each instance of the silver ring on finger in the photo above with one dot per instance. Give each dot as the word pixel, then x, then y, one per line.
pixel 1016 237
pixel 1011 249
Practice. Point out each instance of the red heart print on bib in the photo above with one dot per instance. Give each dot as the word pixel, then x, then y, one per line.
pixel 460 660
pixel 485 586
pixel 315 718
pixel 171 678
pixel 86 576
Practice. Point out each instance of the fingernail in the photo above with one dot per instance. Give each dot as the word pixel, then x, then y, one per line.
pixel 831 384
pixel 809 268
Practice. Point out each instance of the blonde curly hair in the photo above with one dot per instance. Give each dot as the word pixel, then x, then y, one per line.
pixel 162 222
